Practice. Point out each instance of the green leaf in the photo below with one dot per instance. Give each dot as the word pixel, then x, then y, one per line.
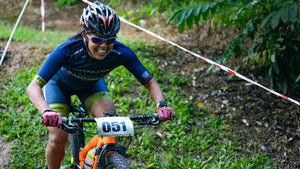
pixel 297 79
pixel 173 16
pixel 188 13
pixel 284 14
pixel 189 22
pixel 181 17
pixel 205 15
pixel 205 7
pixel 266 20
pixel 250 26
pixel 212 4
pixel 293 14
pixel 196 10
pixel 283 86
pixel 268 6
pixel 181 27
pixel 197 18
pixel 273 58
pixel 275 20
pixel 274 64
pixel 249 31
pixel 213 10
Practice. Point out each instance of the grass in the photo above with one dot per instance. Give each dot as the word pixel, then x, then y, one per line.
pixel 27 35
pixel 194 139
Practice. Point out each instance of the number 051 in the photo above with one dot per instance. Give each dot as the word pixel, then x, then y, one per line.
pixel 113 126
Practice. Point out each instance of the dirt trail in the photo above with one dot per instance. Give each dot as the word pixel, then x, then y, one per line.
pixel 265 122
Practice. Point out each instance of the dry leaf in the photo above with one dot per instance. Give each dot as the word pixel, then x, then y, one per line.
pixel 159 134
pixel 224 87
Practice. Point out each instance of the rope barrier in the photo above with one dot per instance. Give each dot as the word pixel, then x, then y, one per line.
pixel 211 62
pixel 204 59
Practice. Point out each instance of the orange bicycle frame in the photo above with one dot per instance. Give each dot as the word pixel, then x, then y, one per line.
pixel 94 142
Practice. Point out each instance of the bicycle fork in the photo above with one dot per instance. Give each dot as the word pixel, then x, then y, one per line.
pixel 103 146
pixel 101 153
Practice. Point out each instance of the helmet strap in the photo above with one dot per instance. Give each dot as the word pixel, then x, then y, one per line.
pixel 86 43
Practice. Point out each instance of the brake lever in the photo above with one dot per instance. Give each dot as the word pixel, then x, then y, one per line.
pixel 155 122
pixel 70 127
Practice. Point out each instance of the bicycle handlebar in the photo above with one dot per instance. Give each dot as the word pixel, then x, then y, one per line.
pixel 153 117
pixel 70 127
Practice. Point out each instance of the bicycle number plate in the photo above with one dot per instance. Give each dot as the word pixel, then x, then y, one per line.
pixel 114 126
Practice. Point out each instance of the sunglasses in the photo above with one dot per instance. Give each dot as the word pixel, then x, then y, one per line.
pixel 99 40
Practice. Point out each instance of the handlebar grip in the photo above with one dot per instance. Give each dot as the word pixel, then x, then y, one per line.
pixel 156 115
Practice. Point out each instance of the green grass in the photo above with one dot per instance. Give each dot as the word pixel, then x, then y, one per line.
pixel 194 139
pixel 28 35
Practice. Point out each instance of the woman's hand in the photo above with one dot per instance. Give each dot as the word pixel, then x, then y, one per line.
pixel 51 118
pixel 165 113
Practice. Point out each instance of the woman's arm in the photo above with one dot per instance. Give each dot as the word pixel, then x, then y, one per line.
pixel 164 113
pixel 50 118
pixel 35 93
pixel 155 91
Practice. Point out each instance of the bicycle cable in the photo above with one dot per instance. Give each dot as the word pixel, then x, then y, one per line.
pixel 79 128
pixel 147 122
pixel 129 143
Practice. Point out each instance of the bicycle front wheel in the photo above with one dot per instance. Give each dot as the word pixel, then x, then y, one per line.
pixel 75 146
pixel 117 161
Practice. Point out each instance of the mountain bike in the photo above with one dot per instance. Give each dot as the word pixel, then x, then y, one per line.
pixel 107 154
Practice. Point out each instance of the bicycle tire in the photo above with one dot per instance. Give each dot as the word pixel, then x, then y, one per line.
pixel 117 161
pixel 75 146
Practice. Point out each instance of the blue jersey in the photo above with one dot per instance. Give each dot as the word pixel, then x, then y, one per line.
pixel 71 64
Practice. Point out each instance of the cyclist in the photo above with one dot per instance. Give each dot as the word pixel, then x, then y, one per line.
pixel 78 67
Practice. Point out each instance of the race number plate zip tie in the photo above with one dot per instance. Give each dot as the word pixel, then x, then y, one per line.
pixel 204 59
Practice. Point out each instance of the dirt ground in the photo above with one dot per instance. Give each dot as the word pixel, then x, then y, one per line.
pixel 265 122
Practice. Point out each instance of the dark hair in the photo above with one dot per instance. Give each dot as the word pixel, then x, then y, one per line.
pixel 78 35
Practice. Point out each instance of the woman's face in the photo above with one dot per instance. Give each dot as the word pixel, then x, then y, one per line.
pixel 101 50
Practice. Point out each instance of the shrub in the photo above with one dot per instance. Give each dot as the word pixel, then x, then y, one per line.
pixel 274 27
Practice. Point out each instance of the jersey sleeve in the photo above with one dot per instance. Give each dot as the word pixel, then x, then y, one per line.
pixel 52 64
pixel 133 65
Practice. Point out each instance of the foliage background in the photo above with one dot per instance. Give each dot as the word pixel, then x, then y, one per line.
pixel 272 25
